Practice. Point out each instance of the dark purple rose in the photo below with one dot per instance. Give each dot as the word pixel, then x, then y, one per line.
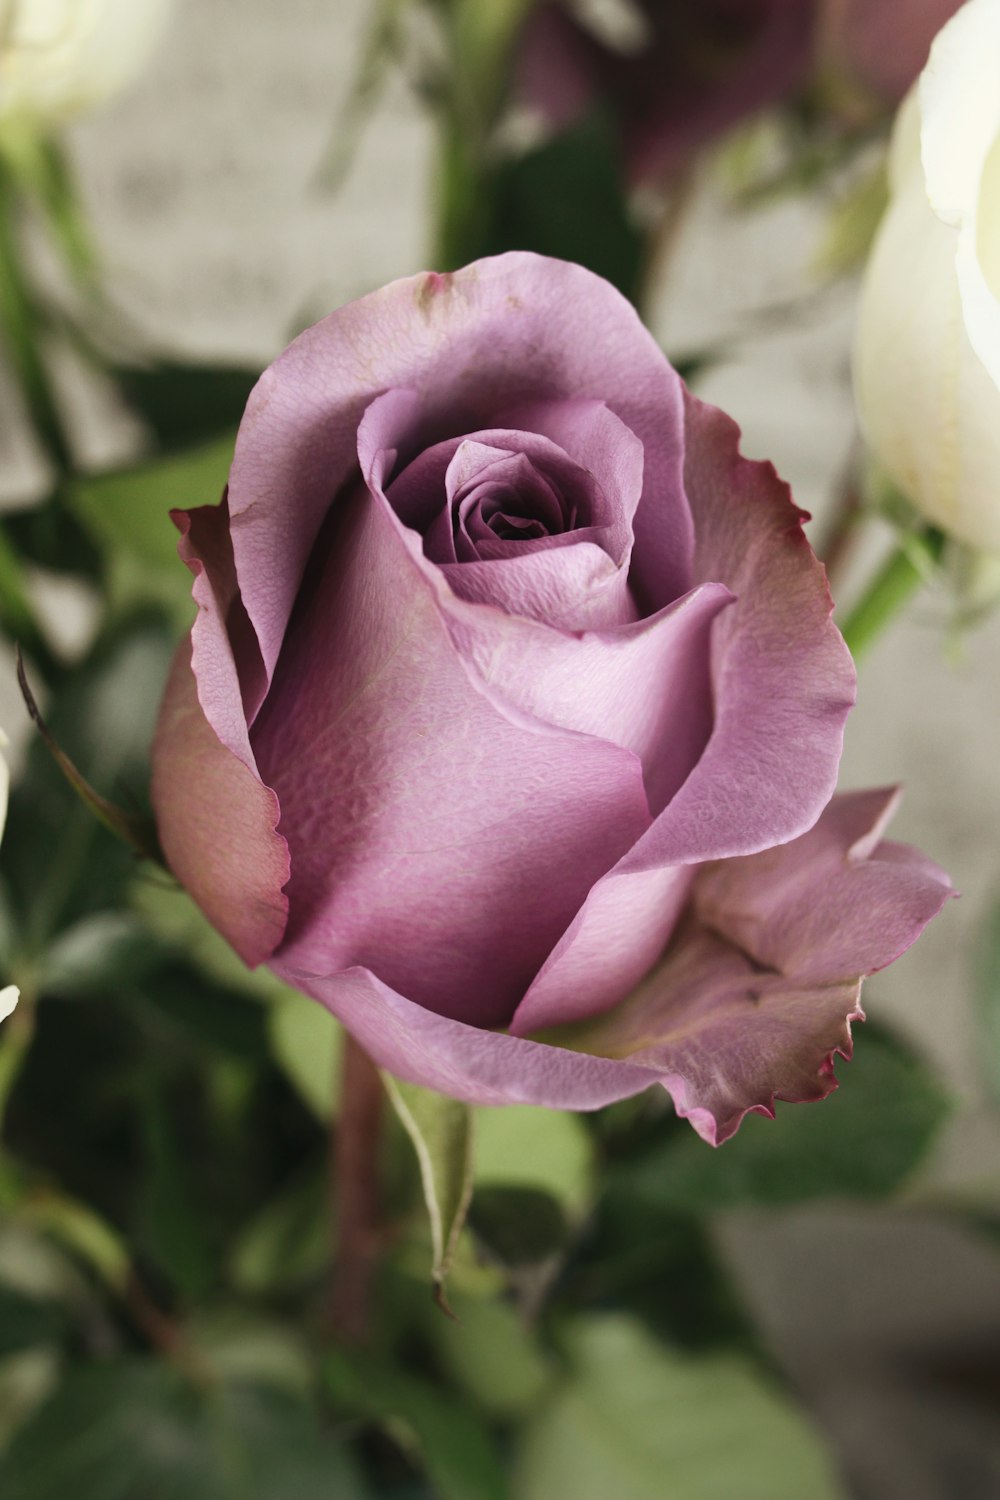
pixel 882 45
pixel 511 715
pixel 693 69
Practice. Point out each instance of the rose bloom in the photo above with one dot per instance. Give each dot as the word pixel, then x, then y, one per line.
pixel 511 715
pixel 60 58
pixel 881 45
pixel 675 74
pixel 927 361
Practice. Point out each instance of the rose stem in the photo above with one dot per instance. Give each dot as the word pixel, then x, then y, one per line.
pixel 355 1195
pixel 899 578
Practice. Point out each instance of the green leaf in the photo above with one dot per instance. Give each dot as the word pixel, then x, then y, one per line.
pixel 78 1228
pixel 25 1321
pixel 186 405
pixel 442 1134
pixel 51 537
pixel 26 1380
pixel 544 1149
pixel 96 954
pixel 636 1421
pixel 287 1242
pixel 862 1142
pixel 135 1430
pixel 210 1017
pixel 173 1228
pixel 137 832
pixel 243 1346
pixel 128 516
pixel 103 719
pixel 519 1226
pixel 489 1352
pixel 436 1429
pixel 567 199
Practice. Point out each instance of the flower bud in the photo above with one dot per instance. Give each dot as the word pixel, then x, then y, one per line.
pixel 927 360
pixel 60 58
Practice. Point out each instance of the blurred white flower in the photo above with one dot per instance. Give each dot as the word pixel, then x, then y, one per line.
pixel 9 996
pixel 60 58
pixel 927 361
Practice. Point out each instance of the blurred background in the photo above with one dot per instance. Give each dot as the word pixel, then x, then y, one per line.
pixel 162 1187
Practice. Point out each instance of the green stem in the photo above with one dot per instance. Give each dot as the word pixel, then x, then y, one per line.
pixel 18 618
pixel 23 323
pixel 463 200
pixel 894 584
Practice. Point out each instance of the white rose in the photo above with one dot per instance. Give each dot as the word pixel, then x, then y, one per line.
pixel 60 58
pixel 9 996
pixel 927 361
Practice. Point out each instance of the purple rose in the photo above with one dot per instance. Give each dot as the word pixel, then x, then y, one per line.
pixel 881 45
pixel 687 72
pixel 512 713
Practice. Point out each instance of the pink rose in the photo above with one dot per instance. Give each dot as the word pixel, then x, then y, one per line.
pixel 512 713
pixel 686 73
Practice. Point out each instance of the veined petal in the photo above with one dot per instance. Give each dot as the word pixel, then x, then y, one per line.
pixel 757 991
pixel 465 1062
pixel 782 685
pixel 217 823
pixel 435 831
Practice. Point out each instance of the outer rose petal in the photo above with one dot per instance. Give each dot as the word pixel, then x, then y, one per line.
pixel 783 684
pixel 481 1067
pixel 835 901
pixel 217 823
pixel 732 1032
pixel 517 328
pixel 435 833
pixel 225 655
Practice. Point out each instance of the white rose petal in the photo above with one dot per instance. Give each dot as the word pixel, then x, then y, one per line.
pixel 8 1000
pixel 60 58
pixel 927 367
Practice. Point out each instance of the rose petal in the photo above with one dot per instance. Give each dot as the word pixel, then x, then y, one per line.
pixel 766 773
pixel 680 72
pixel 481 1067
pixel 583 587
pixel 760 983
pixel 217 823
pixel 646 687
pixel 458 340
pixel 225 655
pixel 836 901
pixel 960 148
pixel 435 832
